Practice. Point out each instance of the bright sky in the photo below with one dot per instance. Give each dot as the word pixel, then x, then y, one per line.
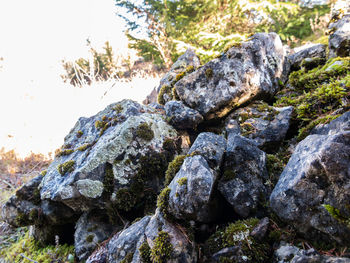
pixel 36 108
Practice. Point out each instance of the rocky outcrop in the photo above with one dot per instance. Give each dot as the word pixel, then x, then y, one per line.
pixel 244 176
pixel 339 41
pixel 182 117
pixel 264 124
pixel 312 192
pixel 250 70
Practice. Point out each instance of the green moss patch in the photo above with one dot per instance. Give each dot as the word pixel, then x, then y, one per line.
pixel 165 89
pixel 162 249
pixel 163 200
pixel 66 167
pixel 64 152
pixel 173 168
pixel 182 181
pixel 145 132
pixel 145 253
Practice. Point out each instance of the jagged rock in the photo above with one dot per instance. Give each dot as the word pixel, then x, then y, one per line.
pixel 151 236
pixel 182 117
pixel 244 73
pixel 290 254
pixel 244 175
pixel 91 229
pixel 105 157
pixel 339 41
pixel 340 124
pixel 264 124
pixel 211 147
pixel 184 64
pixel 260 230
pixel 191 191
pixel 308 52
pixel 312 193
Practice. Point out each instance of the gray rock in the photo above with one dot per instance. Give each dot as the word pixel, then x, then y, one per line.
pixel 211 146
pixel 184 64
pixel 290 254
pixel 244 175
pixel 339 41
pixel 313 190
pixel 108 152
pixel 242 74
pixel 340 124
pixel 313 3
pixel 227 252
pixel 91 229
pixel 182 117
pixel 191 195
pixel 308 51
pixel 260 230
pixel 151 98
pixel 147 230
pixel 264 124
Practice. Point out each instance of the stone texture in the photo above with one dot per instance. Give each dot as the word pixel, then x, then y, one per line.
pixel 339 41
pixel 307 51
pixel 313 190
pixel 191 195
pixel 182 117
pixel 244 175
pixel 242 74
pixel 264 124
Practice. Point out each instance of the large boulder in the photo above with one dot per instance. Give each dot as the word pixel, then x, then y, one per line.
pixel 248 71
pixel 110 158
pixel 264 124
pixel 339 41
pixel 313 190
pixel 244 176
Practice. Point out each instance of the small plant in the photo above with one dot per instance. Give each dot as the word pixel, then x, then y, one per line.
pixel 145 132
pixel 162 249
pixel 66 167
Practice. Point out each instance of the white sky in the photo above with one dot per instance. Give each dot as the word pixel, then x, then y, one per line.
pixel 36 108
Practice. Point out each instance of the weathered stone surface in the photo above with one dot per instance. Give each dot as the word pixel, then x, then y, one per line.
pixel 313 3
pixel 264 124
pixel 313 190
pixel 128 242
pixel 191 195
pixel 211 146
pixel 184 64
pixel 182 117
pixel 290 254
pixel 242 74
pixel 108 152
pixel 339 41
pixel 244 175
pixel 308 51
pixel 91 229
pixel 340 124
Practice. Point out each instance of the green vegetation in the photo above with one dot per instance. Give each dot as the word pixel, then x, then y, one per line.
pixel 145 132
pixel 90 238
pixel 79 134
pixel 182 181
pixel 66 167
pixel 173 167
pixel 336 214
pixel 163 200
pixel 64 152
pixel 162 249
pixel 128 258
pixel 83 147
pixel 43 173
pixel 145 253
pixel 27 247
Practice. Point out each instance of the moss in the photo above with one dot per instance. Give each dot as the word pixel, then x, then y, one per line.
pixel 312 63
pixel 128 258
pixel 163 200
pixel 43 173
pixel 238 233
pixel 125 199
pixel 145 132
pixel 118 108
pixel 162 249
pixel 34 215
pixel 274 167
pixel 145 253
pixel 102 125
pixel 180 76
pixel 21 219
pixel 209 73
pixel 64 152
pixel 79 134
pixel 165 89
pixel 173 168
pixel 108 180
pixel 228 175
pixel 189 69
pixel 66 167
pixel 83 147
pixel 182 181
pixel 90 238
pixel 127 162
pixel 336 214
pixel 246 128
pixel 26 245
pixel 36 199
pixel 172 147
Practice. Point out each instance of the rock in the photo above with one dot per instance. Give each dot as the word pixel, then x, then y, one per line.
pixel 105 157
pixel 184 64
pixel 308 52
pixel 244 73
pixel 182 117
pixel 226 252
pixel 191 191
pixel 91 229
pixel 151 98
pixel 290 254
pixel 151 237
pixel 264 124
pixel 340 124
pixel 312 3
pixel 244 175
pixel 260 230
pixel 211 147
pixel 313 190
pixel 339 41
